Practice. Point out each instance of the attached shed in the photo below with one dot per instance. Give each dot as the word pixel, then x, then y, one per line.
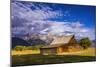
pixel 61 44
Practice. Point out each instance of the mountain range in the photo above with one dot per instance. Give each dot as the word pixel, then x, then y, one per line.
pixel 29 40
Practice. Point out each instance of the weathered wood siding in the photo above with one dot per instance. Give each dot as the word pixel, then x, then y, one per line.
pixel 48 51
pixel 72 42
pixel 62 49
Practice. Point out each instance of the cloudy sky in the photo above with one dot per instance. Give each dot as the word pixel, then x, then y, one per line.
pixel 57 19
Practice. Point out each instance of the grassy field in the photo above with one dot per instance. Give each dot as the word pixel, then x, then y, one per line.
pixel 33 58
pixel 25 52
pixel 53 59
pixel 85 52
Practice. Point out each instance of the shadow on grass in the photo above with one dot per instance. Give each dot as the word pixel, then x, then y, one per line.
pixel 23 60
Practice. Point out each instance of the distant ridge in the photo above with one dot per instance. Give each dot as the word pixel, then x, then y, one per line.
pixel 18 41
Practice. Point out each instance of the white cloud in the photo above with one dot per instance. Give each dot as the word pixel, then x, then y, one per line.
pixel 69 28
pixel 24 11
pixel 36 21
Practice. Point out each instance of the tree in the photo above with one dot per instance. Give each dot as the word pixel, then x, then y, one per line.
pixel 19 48
pixel 85 43
pixel 37 46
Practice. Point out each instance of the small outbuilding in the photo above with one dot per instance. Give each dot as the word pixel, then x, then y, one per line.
pixel 61 44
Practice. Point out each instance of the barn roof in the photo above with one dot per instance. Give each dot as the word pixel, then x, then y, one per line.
pixel 59 41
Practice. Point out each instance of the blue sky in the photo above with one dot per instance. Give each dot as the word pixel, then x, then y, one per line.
pixel 57 19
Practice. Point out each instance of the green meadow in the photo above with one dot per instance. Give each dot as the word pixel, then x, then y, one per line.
pixel 37 59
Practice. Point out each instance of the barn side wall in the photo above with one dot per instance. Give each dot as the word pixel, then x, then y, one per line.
pixel 48 51
pixel 65 49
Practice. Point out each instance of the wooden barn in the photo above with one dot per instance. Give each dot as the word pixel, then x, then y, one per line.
pixel 61 44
